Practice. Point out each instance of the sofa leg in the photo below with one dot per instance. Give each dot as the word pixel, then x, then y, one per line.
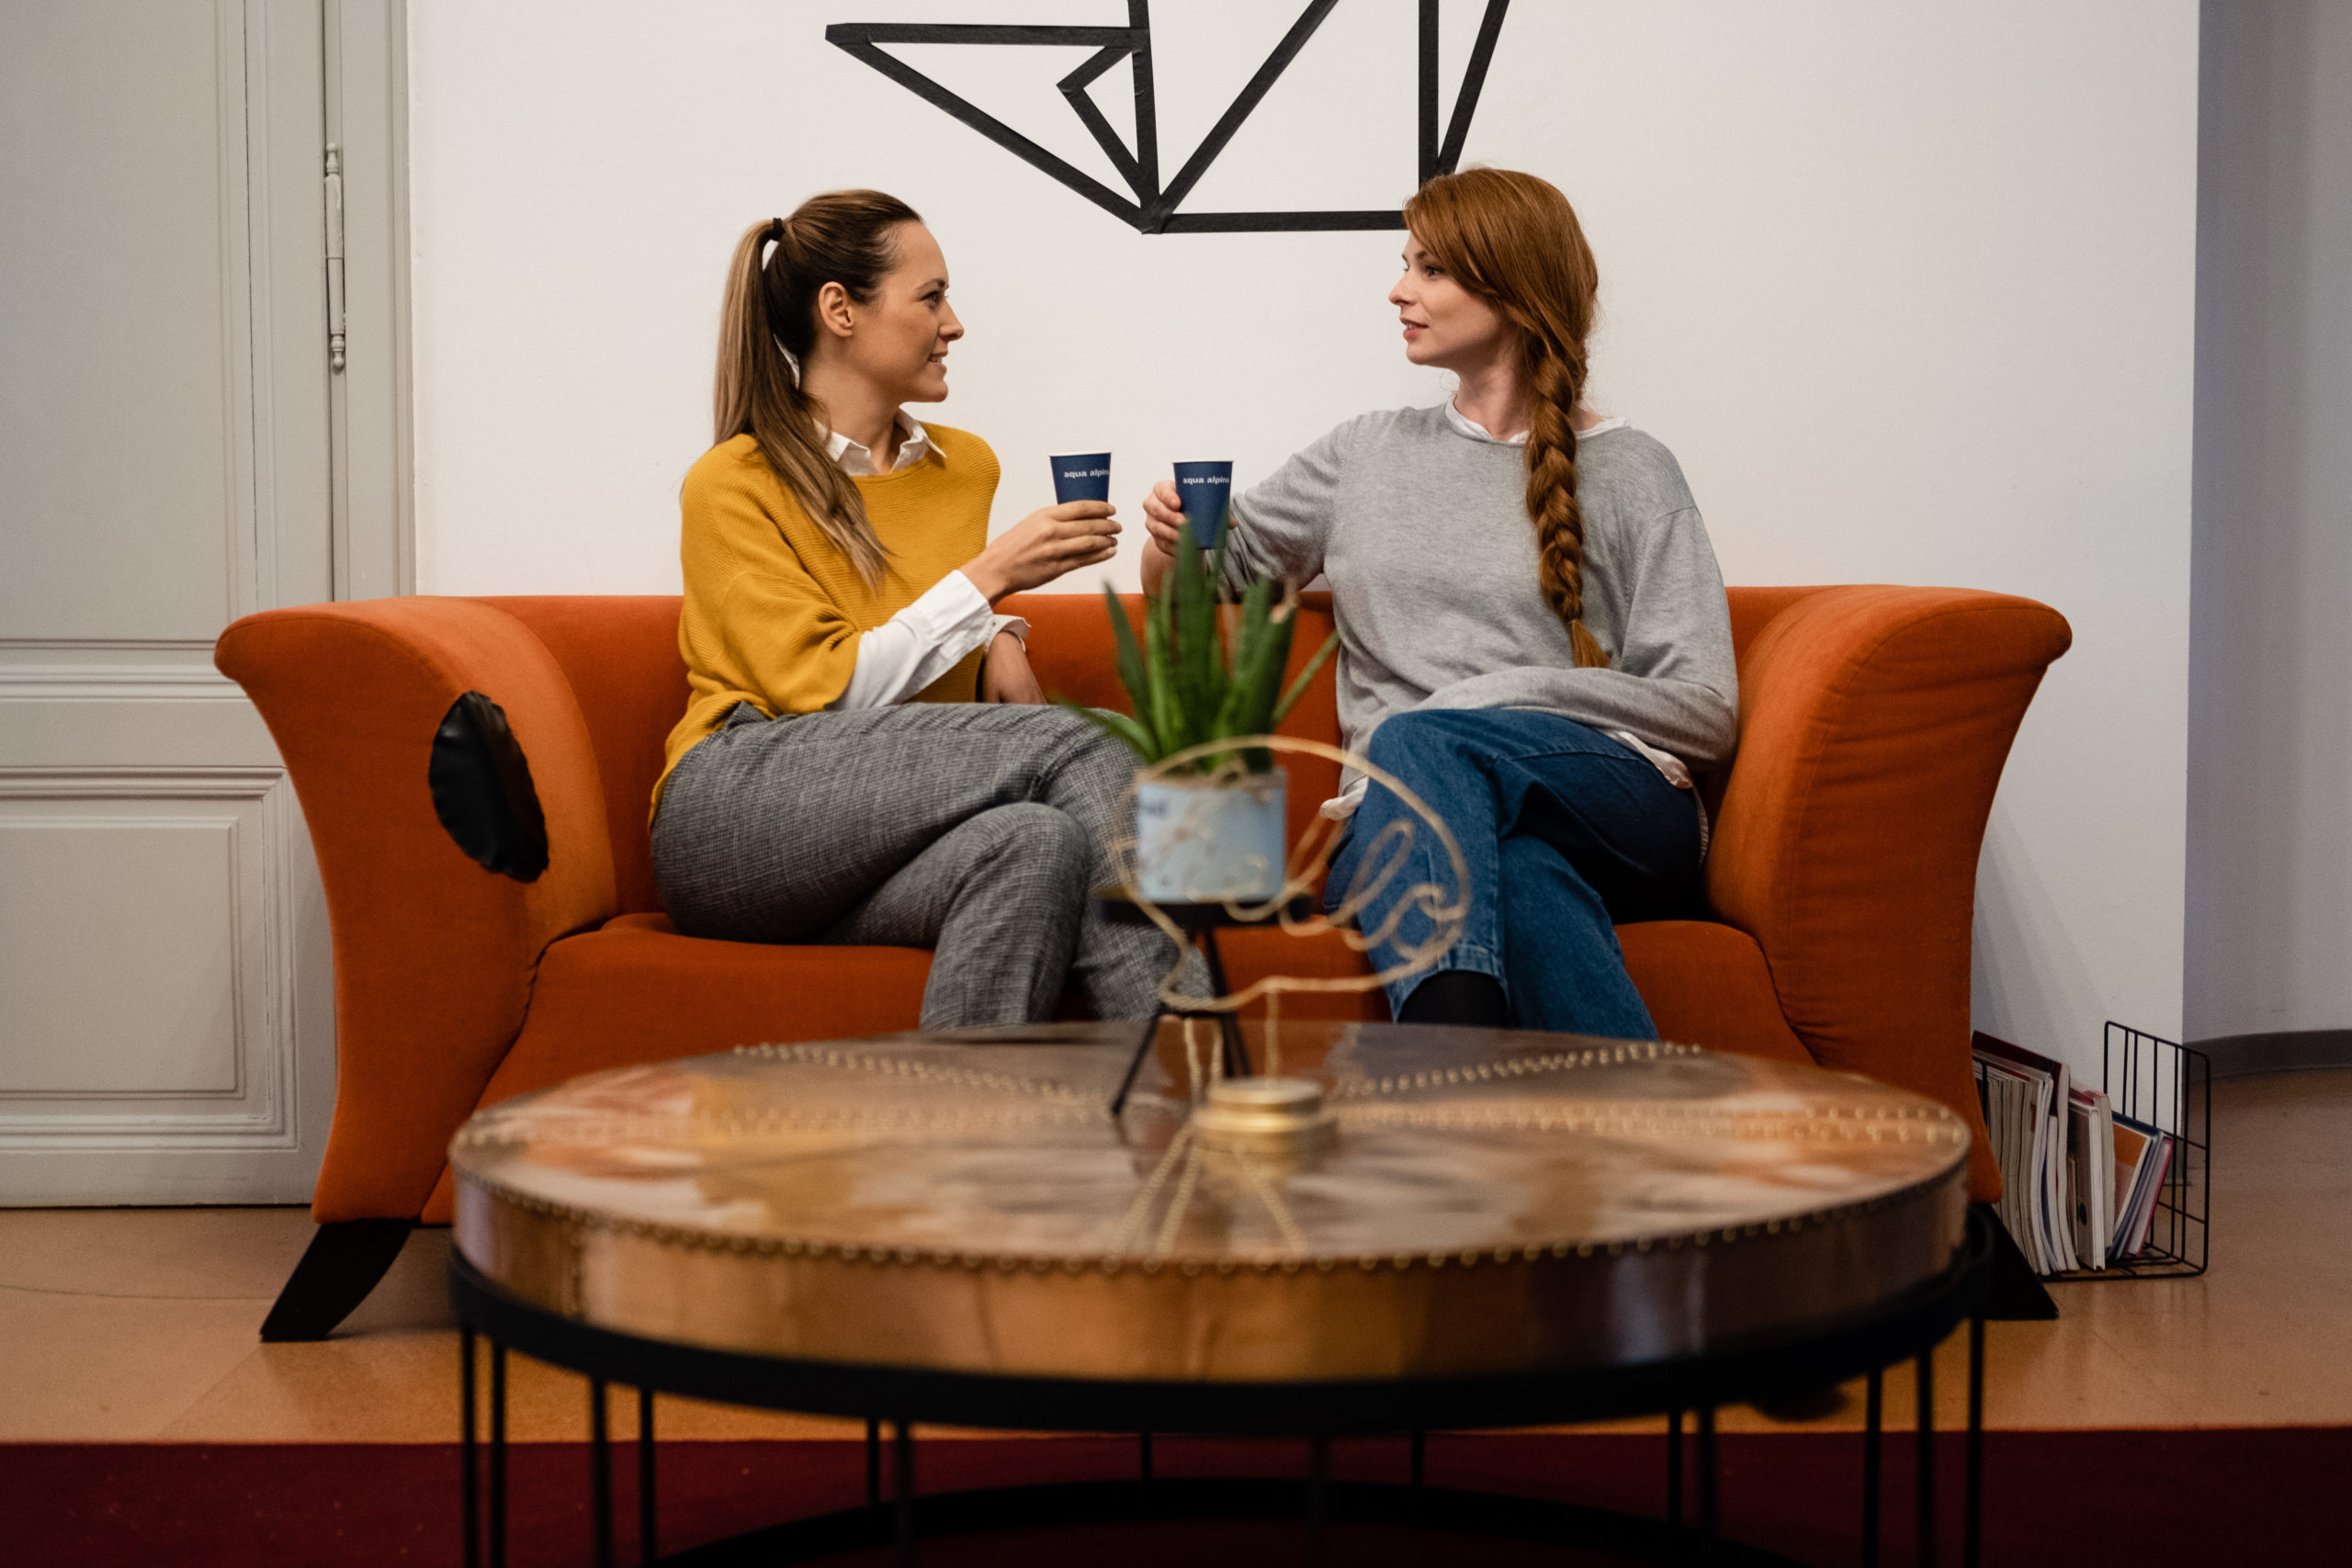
pixel 345 1260
pixel 2017 1294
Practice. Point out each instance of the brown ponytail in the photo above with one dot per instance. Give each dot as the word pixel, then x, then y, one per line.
pixel 1513 239
pixel 846 237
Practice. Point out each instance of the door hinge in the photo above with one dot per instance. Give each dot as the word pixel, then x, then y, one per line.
pixel 335 257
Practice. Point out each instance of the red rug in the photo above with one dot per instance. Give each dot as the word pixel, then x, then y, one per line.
pixel 2153 1499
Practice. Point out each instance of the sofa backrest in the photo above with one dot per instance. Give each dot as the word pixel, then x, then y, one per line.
pixel 621 654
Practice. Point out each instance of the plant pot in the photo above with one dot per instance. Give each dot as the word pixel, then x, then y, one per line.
pixel 1204 840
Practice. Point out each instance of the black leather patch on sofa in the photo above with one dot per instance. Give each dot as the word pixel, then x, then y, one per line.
pixel 481 790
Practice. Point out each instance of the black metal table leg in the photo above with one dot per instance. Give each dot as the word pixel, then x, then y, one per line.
pixel 1707 1476
pixel 1973 1500
pixel 1318 1481
pixel 1874 1412
pixel 903 1505
pixel 1135 1065
pixel 1674 1467
pixel 1420 1455
pixel 497 1455
pixel 1236 1052
pixel 647 1550
pixel 600 1474
pixel 873 1465
pixel 1926 1466
pixel 1143 1446
pixel 468 1496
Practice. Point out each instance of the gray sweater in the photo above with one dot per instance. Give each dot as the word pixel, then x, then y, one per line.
pixel 1423 530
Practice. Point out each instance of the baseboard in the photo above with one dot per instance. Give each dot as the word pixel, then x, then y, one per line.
pixel 2241 1056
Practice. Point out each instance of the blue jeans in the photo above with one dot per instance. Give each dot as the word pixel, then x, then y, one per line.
pixel 1565 833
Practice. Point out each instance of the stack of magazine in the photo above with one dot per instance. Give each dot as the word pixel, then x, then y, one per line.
pixel 2079 1181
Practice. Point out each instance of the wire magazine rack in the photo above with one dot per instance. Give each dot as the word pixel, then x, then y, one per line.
pixel 2168 1085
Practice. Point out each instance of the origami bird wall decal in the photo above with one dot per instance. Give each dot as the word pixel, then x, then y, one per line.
pixel 1154 206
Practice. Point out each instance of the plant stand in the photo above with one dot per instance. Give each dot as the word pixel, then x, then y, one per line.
pixel 1202 921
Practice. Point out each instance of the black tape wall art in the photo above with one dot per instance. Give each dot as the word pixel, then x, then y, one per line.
pixel 1155 206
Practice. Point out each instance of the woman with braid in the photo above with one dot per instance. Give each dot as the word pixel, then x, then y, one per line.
pixel 1534 635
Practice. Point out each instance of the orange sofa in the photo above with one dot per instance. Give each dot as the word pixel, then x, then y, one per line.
pixel 1874 723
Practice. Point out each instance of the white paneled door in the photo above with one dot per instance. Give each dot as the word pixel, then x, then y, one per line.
pixel 177 450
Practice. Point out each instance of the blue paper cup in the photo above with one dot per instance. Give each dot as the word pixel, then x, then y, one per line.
pixel 1203 489
pixel 1084 476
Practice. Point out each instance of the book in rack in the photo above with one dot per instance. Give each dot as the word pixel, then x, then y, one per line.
pixel 2098 1182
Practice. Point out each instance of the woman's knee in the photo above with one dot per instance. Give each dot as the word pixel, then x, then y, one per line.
pixel 1098 745
pixel 1095 769
pixel 1043 843
pixel 1058 727
pixel 1425 749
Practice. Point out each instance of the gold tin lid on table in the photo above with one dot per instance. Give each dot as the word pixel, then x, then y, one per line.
pixel 1418 1203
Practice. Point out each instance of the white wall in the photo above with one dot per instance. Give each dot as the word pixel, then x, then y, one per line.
pixel 1909 290
pixel 2270 919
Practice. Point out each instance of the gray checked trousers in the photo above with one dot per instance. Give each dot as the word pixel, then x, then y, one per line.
pixel 975 830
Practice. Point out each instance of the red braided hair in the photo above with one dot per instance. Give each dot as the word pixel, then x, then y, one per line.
pixel 1513 240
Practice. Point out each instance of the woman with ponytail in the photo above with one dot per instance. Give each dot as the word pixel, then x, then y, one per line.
pixel 1535 638
pixel 864 756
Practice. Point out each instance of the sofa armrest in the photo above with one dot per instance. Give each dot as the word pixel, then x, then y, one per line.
pixel 433 955
pixel 1874 722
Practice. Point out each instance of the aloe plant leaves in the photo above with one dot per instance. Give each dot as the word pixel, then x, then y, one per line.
pixel 1195 679
pixel 1166 710
pixel 1260 646
pixel 1306 677
pixel 1200 669
pixel 1119 726
pixel 1133 674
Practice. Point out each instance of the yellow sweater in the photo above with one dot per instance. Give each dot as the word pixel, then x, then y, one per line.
pixel 774 611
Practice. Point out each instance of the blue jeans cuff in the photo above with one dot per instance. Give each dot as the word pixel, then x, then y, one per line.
pixel 1461 955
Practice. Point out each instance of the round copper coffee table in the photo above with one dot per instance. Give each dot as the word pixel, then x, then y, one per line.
pixel 1415 1229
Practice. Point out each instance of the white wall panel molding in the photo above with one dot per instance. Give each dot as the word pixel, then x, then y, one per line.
pixel 110 670
pixel 241 366
pixel 138 783
pixel 151 997
pixel 367 95
pixel 291 547
pixel 112 683
pixel 149 647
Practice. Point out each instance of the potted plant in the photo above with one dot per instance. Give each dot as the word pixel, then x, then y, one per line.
pixel 1208 820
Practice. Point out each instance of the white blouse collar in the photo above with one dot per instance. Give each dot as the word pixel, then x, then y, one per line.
pixel 914 445
pixel 1464 425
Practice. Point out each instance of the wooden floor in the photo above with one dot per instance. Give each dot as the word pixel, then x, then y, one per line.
pixel 124 1325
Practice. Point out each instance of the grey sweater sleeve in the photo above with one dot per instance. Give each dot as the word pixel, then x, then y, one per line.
pixel 1673 683
pixel 1281 524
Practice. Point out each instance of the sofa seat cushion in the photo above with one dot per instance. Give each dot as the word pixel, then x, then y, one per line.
pixel 1707 984
pixel 1252 954
pixel 637 991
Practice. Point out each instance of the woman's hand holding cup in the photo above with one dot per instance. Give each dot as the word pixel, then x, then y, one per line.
pixel 1042 545
pixel 1163 513
pixel 1163 518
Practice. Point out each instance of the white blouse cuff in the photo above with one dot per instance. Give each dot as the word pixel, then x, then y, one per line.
pixel 920 644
